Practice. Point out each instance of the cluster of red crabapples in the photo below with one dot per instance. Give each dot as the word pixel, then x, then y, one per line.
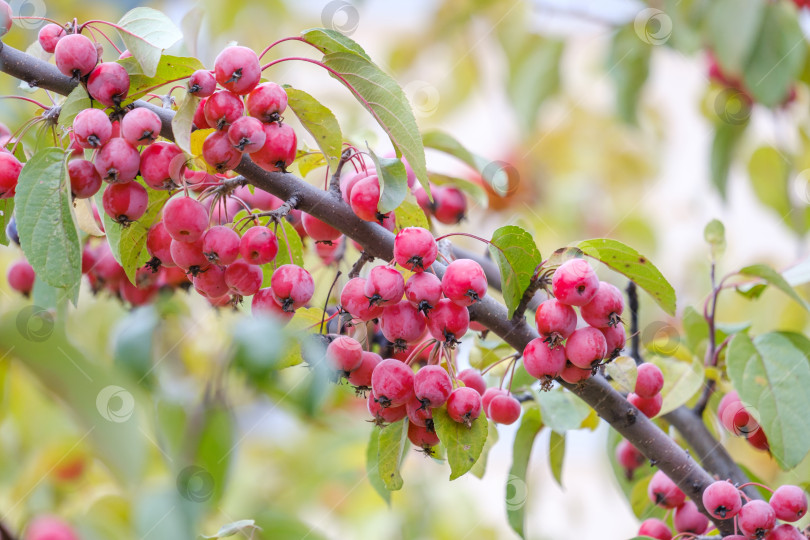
pixel 754 519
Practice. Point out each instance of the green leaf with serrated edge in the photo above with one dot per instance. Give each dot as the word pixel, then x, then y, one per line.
pixel 480 467
pixel 772 375
pixel 391 446
pixel 146 32
pixel 319 122
pixel 516 489
pixel 622 372
pixel 170 69
pixel 128 244
pixel 245 527
pixel 732 28
pixel 556 455
pixel 48 233
pixel 627 261
pixel 77 101
pixel 372 466
pixel 182 121
pixel 777 57
pixel 393 182
pixel 6 211
pixel 331 41
pixel 514 251
pixel 682 380
pixel 774 278
pixel 473 190
pixel 410 214
pixel 386 101
pixel 726 138
pixel 464 444
pixel 561 409
pixel 444 142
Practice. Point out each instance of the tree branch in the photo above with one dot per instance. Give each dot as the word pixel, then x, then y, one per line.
pixel 635 337
pixel 334 184
pixel 653 443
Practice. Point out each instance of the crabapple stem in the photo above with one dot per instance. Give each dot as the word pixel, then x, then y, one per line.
pixel 766 488
pixel 334 184
pixel 328 295
pixel 497 362
pixel 282 40
pixel 29 100
pixel 364 258
pixel 93 33
pixel 416 352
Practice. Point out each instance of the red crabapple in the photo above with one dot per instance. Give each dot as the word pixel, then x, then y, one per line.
pixel 189 256
pixel 472 378
pixel 688 519
pixel 664 492
pixel 318 230
pixel 649 381
pixel 185 219
pixel 211 282
pixel 221 245
pixel 49 35
pixel 49 528
pixel 385 415
pixel 84 179
pixel 108 84
pixel 198 120
pixel 353 300
pixel 266 102
pixel 758 439
pixel 789 503
pixel 450 204
pixel 650 407
pixel 259 245
pixel 237 69
pixel 573 374
pixel 247 134
pixel 117 162
pixel 75 55
pixel 504 410
pixel 158 244
pixel 629 457
pixel 10 168
pixel 392 383
pixel 202 83
pixel 244 279
pixel 279 148
pixel 543 362
pixel 756 519
pixel 402 324
pixel 575 282
pixel 418 413
pixel 365 198
pixel 91 129
pixel 219 153
pixel 415 249
pixel 125 203
pixel 615 337
pixel 784 531
pixel 361 377
pixel 655 528
pixel 263 304
pixel 734 416
pixel 555 320
pixel 448 322
pixel 422 437
pixel 432 386
pixel 344 354
pixel 21 277
pixel 605 308
pixel 464 282
pixel 490 394
pixel 722 500
pixel 292 286
pixel 349 179
pixel 586 347
pixel 222 109
pixel 464 405
pixel 423 290
pixel 384 286
pixel 141 127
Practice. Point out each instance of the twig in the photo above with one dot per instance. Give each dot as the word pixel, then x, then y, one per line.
pixel 334 184
pixel 635 338
pixel 358 266
pixel 538 281
pixel 5 534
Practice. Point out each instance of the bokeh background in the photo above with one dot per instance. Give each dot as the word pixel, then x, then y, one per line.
pixel 600 119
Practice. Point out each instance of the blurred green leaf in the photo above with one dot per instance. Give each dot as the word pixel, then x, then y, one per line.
pixel 561 410
pixel 213 452
pixel 6 211
pixel 77 101
pixel 390 448
pixel 534 76
pixel 147 32
pixel 726 138
pixel 245 527
pixel 464 444
pixel 715 235
pixel 319 122
pixel 473 190
pixel 133 338
pixel 623 372
pixel 556 455
pixel 681 381
pixel 393 182
pixel 629 66
pixel 769 172
pixel 480 467
pixel 772 277
pixel 373 466
pixel 514 251
pixel 732 28
pixel 444 142
pixel 530 426
pixel 259 344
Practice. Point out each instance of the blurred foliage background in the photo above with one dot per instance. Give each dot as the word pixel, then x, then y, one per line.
pixel 600 119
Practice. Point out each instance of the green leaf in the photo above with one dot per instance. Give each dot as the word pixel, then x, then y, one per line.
pixel 622 373
pixel 391 447
pixel 530 426
pixel 475 192
pixel 128 244
pixel 306 162
pixel 319 122
pixel 214 447
pixel 245 527
pixel 289 243
pixel 373 466
pixel 480 467
pixel 629 62
pixel 556 455
pixel 732 28
pixel 77 101
pixel 627 261
pixel 258 346
pixel 726 137
pixel 6 211
pixel 169 69
pixel 534 76
pixel 444 142
pixel 133 339
pixel 514 251
pixel 410 214
pixel 715 235
pixel 386 101
pixel 331 41
pixel 393 182
pixel 147 32
pixel 769 172
pixel 182 121
pixel 777 57
pixel 681 381
pixel 464 444
pixel 48 233
pixel 772 375
pixel 772 277
pixel 561 409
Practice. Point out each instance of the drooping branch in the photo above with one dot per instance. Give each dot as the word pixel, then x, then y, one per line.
pixel 378 242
